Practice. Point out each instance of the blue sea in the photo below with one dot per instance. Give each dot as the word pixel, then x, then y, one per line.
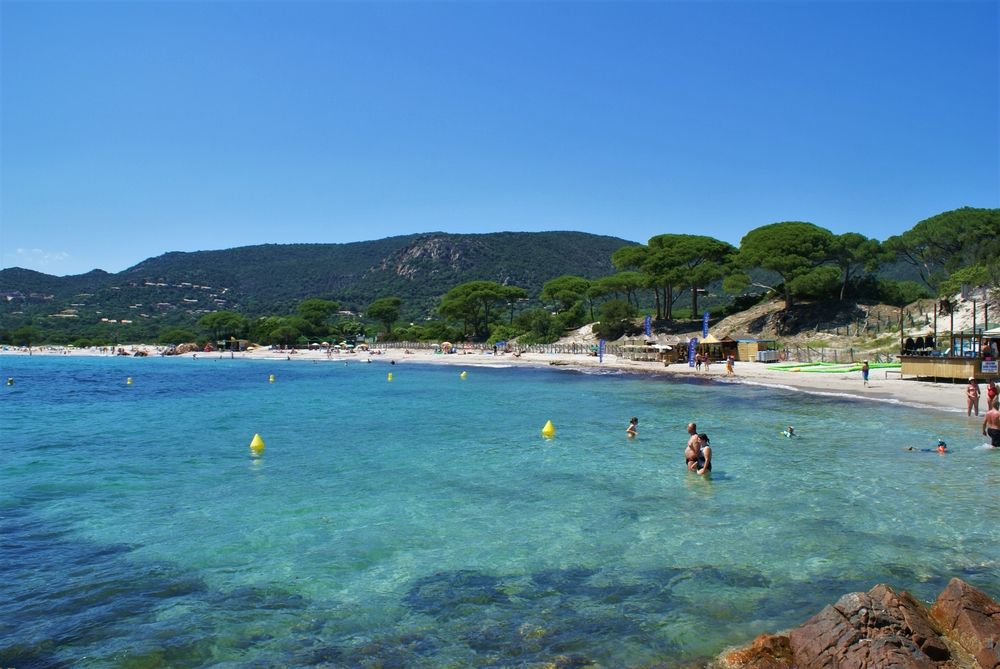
pixel 425 522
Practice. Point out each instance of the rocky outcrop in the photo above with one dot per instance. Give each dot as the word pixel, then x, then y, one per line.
pixel 972 620
pixel 885 629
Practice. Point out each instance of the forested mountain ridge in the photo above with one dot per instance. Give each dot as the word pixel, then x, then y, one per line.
pixel 271 278
pixel 505 285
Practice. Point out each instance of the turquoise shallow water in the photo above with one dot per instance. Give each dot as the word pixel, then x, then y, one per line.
pixel 426 523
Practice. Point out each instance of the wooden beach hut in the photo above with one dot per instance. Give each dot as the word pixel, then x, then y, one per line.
pixel 752 349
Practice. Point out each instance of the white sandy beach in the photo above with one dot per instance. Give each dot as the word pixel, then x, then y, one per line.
pixel 882 387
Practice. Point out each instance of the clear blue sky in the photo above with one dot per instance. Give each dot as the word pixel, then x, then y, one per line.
pixel 130 129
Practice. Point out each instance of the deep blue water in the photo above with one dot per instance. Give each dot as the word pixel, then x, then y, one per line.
pixel 424 522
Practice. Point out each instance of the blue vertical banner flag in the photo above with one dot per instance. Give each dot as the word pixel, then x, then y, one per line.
pixel 600 350
pixel 648 326
pixel 704 325
pixel 692 348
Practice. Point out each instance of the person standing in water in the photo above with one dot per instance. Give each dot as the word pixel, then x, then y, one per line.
pixel 991 393
pixel 632 428
pixel 705 461
pixel 692 453
pixel 972 397
pixel 991 425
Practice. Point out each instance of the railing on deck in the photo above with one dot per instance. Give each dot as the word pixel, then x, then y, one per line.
pixel 562 349
pixel 834 355
pixel 789 354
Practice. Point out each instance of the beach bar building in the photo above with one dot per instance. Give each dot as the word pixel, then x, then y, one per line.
pixel 972 354
pixel 711 348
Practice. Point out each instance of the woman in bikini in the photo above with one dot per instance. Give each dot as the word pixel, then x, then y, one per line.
pixel 972 397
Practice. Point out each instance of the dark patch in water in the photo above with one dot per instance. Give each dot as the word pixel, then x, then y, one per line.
pixel 64 593
pixel 34 656
pixel 390 650
pixel 255 598
pixel 445 595
pixel 517 621
pixel 564 581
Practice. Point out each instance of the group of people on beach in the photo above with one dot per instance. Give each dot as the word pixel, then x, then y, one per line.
pixel 700 360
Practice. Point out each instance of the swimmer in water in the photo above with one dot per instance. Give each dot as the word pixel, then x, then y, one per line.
pixel 632 430
pixel 941 447
pixel 790 432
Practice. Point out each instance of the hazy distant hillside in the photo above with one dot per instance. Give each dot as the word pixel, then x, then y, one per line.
pixel 272 278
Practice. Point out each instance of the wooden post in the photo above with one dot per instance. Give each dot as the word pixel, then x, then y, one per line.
pixel 901 329
pixel 951 332
pixel 935 324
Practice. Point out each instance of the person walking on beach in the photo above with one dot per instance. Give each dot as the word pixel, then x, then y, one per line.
pixel 991 425
pixel 730 362
pixel 991 393
pixel 972 397
pixel 697 362
pixel 864 372
pixel 632 430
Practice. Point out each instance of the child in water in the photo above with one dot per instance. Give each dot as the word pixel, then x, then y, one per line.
pixel 632 430
pixel 790 432
pixel 940 448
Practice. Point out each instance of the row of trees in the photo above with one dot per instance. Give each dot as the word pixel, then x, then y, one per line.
pixel 794 260
pixel 805 261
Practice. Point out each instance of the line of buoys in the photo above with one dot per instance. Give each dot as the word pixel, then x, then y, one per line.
pixel 549 430
pixel 128 381
pixel 256 446
pixel 389 378
pixel 463 375
pixel 270 379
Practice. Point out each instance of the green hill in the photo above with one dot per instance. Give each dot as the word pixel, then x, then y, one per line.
pixel 177 288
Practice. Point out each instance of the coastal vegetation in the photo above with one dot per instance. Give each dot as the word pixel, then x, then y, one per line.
pixel 534 286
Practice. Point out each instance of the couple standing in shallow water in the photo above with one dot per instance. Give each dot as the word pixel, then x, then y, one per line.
pixel 698 454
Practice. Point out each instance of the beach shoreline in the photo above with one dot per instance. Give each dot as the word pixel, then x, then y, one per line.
pixel 945 397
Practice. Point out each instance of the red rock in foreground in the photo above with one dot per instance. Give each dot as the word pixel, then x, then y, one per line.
pixel 884 629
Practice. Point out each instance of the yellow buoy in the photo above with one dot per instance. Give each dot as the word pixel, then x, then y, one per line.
pixel 256 445
pixel 270 379
pixel 549 430
pixel 463 375
pixel 389 378
pixel 128 381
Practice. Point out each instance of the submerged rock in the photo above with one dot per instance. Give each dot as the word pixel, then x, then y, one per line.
pixel 883 629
